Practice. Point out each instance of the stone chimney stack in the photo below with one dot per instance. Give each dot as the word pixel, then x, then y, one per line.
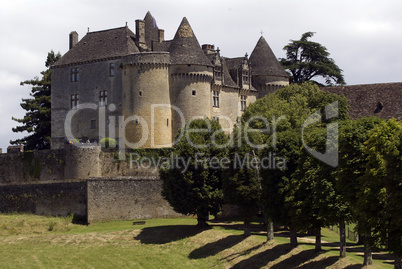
pixel 161 35
pixel 73 39
pixel 140 32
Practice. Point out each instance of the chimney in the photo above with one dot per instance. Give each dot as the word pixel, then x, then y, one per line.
pixel 208 49
pixel 161 35
pixel 140 31
pixel 73 39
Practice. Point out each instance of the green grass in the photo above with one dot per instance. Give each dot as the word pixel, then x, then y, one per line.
pixel 28 241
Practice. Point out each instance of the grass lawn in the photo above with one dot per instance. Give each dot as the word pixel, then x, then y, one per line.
pixel 28 241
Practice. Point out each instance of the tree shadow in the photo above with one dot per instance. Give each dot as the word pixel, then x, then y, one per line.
pixel 295 260
pixel 214 248
pixel 166 234
pixel 354 266
pixel 262 259
pixel 323 263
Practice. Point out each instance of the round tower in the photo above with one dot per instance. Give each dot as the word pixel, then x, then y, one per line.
pixel 147 116
pixel 267 73
pixel 191 73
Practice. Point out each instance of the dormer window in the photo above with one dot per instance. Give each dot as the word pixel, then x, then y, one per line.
pixel 245 76
pixel 217 72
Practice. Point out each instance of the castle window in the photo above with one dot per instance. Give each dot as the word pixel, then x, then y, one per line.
pixel 103 98
pixel 217 72
pixel 243 102
pixel 74 101
pixel 93 124
pixel 111 70
pixel 245 77
pixel 140 93
pixel 216 118
pixel 215 99
pixel 167 122
pixel 194 92
pixel 75 74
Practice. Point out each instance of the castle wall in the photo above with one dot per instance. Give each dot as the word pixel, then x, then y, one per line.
pixel 127 198
pixel 57 199
pixel 146 106
pixel 190 89
pixel 87 121
pixel 50 165
pixel 269 84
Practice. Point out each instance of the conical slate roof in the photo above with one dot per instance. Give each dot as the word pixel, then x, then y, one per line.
pixel 151 29
pixel 264 62
pixel 100 45
pixel 185 49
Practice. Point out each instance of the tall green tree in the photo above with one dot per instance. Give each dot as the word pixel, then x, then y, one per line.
pixel 352 166
pixel 380 199
pixel 280 137
pixel 192 179
pixel 37 119
pixel 306 60
pixel 241 184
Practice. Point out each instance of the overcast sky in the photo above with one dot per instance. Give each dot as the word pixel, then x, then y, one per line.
pixel 363 37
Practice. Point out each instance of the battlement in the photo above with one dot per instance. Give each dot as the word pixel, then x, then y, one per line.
pixel 161 59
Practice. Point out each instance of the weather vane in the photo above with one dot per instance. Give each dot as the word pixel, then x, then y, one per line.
pixel 262 33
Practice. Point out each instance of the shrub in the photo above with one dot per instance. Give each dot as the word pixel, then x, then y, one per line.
pixel 108 143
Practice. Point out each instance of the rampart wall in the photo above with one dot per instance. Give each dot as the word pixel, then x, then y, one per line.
pixel 83 181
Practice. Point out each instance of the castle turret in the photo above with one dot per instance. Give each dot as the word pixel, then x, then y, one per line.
pixel 146 100
pixel 191 74
pixel 267 73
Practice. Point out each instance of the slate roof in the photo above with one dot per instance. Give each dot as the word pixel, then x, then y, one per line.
pixel 227 79
pixel 100 45
pixel 264 62
pixel 151 29
pixel 383 100
pixel 185 49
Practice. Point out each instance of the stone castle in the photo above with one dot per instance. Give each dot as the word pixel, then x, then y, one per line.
pixel 141 89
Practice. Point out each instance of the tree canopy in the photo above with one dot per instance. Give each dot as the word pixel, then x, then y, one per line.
pixel 37 119
pixel 306 60
pixel 192 180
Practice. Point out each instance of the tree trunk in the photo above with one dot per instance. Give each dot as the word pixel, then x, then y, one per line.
pixel 318 239
pixel 202 217
pixel 270 230
pixel 360 240
pixel 293 237
pixel 342 238
pixel 247 231
pixel 398 262
pixel 368 258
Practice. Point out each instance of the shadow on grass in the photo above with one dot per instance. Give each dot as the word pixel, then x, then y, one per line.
pixel 323 263
pixel 214 248
pixel 263 258
pixel 295 260
pixel 354 266
pixel 167 234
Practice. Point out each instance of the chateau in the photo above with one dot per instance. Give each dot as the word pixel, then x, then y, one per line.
pixel 141 89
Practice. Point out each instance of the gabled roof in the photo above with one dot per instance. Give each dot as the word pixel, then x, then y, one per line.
pixel 382 100
pixel 264 62
pixel 185 49
pixel 100 45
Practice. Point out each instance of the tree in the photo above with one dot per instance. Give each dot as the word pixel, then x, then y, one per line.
pixel 284 113
pixel 192 179
pixel 352 166
pixel 241 184
pixel 37 119
pixel 380 199
pixel 306 59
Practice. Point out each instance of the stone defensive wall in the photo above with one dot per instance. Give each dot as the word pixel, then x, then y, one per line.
pixel 86 182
